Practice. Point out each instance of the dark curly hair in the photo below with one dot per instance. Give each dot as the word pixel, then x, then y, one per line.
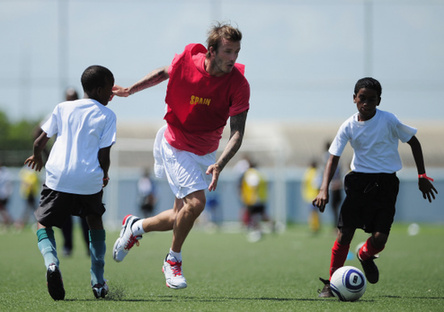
pixel 369 83
pixel 96 76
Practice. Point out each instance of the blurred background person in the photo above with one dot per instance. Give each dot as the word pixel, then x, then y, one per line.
pixel 29 191
pixel 309 190
pixel 336 188
pixel 241 167
pixel 214 210
pixel 5 194
pixel 146 188
pixel 254 196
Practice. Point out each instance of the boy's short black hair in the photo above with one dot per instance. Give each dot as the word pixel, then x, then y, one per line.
pixel 369 83
pixel 96 76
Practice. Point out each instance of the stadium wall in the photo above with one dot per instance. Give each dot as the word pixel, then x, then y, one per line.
pixel 121 198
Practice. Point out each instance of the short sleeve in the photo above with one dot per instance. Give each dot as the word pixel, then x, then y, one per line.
pixel 404 132
pixel 340 141
pixel 50 126
pixel 241 98
pixel 108 137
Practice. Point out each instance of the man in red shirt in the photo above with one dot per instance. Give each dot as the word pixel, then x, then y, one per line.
pixel 206 87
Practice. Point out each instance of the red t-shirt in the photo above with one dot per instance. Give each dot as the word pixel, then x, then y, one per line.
pixel 199 104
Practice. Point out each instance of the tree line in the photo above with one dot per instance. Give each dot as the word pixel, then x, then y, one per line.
pixel 16 140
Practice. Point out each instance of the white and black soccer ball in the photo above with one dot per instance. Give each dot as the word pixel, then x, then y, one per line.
pixel 348 283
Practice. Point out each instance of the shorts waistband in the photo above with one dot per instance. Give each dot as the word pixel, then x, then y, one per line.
pixel 374 174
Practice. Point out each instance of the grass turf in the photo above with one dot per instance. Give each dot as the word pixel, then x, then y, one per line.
pixel 227 273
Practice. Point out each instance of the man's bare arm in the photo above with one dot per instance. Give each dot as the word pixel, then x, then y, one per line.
pixel 237 125
pixel 153 78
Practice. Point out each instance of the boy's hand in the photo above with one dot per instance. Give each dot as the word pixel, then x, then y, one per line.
pixel 427 189
pixel 34 162
pixel 105 182
pixel 321 200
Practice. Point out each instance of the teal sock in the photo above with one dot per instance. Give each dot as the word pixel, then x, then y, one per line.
pixel 47 246
pixel 97 248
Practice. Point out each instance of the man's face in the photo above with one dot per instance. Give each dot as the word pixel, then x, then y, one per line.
pixel 225 56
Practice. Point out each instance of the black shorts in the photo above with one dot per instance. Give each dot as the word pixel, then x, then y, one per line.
pixel 370 201
pixel 335 198
pixel 258 208
pixel 55 207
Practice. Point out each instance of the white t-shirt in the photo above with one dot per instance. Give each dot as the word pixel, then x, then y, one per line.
pixel 82 127
pixel 374 142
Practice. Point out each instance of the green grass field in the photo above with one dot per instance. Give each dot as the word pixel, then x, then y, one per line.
pixel 227 273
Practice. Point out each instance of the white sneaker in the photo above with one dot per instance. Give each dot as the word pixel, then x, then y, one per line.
pixel 126 239
pixel 254 236
pixel 173 274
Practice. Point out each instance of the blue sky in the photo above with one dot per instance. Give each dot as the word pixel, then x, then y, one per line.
pixel 302 57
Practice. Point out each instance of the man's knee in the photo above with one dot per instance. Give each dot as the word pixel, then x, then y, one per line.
pixel 196 202
pixel 195 208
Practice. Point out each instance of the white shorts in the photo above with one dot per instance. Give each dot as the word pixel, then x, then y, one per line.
pixel 185 171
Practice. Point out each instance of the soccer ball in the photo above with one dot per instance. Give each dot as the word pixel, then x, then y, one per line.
pixel 348 283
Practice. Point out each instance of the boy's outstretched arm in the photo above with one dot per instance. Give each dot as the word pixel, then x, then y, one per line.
pixel 153 78
pixel 36 160
pixel 322 199
pixel 424 183
pixel 105 162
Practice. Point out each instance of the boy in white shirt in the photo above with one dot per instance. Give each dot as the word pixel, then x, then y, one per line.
pixel 372 186
pixel 76 172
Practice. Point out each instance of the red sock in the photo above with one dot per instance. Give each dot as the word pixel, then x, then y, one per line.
pixel 338 256
pixel 368 250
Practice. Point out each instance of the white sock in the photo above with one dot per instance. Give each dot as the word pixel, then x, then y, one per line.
pixel 177 255
pixel 137 228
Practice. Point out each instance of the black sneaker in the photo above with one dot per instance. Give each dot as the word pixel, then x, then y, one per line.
pixel 326 291
pixel 55 282
pixel 100 290
pixel 370 269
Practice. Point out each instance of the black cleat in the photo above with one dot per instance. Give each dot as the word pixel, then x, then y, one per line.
pixel 100 290
pixel 370 269
pixel 326 291
pixel 55 282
